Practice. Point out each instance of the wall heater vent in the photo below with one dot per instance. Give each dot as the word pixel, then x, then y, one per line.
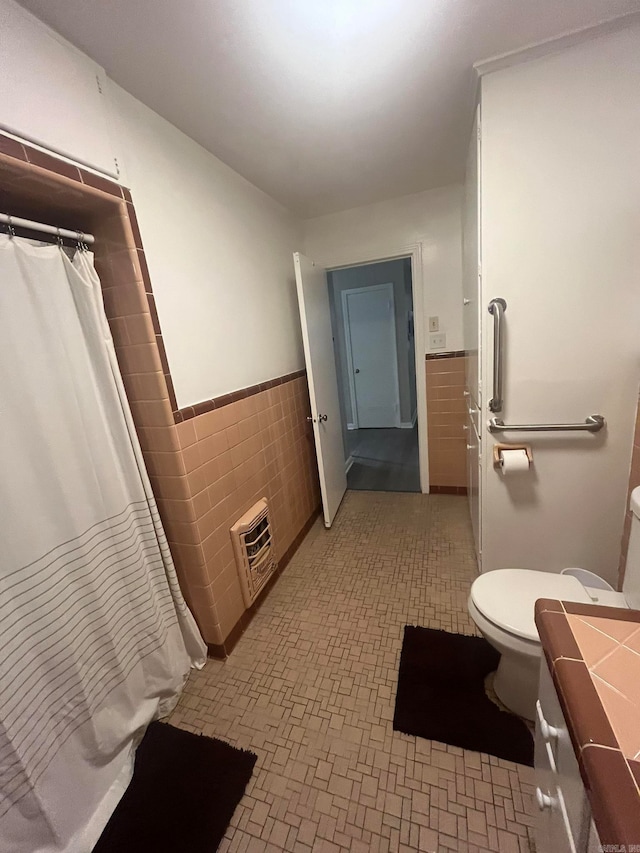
pixel 252 537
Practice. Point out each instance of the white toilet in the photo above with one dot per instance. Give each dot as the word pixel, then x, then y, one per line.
pixel 501 603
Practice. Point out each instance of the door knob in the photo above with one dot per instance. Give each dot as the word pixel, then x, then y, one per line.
pixel 311 420
pixel 357 370
pixel 323 417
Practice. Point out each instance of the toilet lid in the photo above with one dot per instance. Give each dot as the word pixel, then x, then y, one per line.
pixel 507 597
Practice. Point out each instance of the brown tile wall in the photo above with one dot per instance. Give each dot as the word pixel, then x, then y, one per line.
pixel 446 417
pixel 634 480
pixel 259 446
pixel 207 464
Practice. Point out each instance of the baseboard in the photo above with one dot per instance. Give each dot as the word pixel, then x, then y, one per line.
pixel 410 424
pixel 223 650
pixel 348 464
pixel 447 490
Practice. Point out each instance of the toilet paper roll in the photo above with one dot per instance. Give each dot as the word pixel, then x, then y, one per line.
pixel 513 462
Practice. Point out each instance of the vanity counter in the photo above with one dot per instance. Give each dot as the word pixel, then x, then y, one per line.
pixel 593 653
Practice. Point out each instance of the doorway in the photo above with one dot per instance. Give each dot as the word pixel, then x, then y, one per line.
pixel 371 350
pixel 372 323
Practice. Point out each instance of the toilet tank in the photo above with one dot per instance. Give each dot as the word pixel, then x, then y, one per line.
pixel 631 583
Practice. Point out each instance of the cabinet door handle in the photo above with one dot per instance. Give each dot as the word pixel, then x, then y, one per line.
pixel 548 731
pixel 544 801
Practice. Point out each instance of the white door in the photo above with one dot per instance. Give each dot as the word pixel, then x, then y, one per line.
pixel 473 483
pixel 317 337
pixel 472 328
pixel 372 354
pixel 472 332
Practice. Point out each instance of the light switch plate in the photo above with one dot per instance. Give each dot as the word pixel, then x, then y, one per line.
pixel 437 341
pixel 434 324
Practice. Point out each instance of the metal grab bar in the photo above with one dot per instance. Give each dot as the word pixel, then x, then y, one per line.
pixel 497 307
pixel 594 423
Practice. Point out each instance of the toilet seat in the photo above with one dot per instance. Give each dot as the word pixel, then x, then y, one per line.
pixel 507 597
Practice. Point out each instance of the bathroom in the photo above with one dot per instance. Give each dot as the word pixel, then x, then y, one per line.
pixel 199 287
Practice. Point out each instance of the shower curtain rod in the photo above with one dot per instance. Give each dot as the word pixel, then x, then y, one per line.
pixel 80 236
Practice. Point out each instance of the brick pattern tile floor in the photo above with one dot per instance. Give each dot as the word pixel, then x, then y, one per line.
pixel 310 688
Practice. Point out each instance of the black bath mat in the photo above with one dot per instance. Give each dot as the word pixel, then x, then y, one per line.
pixel 441 695
pixel 184 791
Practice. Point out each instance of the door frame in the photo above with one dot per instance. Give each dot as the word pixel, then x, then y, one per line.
pixel 349 258
pixel 388 286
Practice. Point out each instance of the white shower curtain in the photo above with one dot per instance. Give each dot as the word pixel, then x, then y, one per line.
pixel 96 640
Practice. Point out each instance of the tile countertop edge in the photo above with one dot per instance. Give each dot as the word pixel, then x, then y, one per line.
pixel 612 782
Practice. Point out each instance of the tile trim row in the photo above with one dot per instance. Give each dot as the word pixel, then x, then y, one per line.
pixel 447 490
pixel 35 157
pixel 458 353
pixel 205 406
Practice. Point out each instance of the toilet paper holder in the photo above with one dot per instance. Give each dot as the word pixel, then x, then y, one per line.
pixel 498 448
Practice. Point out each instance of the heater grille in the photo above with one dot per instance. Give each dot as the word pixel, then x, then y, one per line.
pixel 252 537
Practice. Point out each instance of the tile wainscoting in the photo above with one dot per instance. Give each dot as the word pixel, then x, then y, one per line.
pixel 446 417
pixel 207 463
pixel 230 456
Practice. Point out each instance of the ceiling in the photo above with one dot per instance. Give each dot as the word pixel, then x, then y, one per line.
pixel 323 104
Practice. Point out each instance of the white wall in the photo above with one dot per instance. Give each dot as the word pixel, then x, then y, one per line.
pixel 219 250
pixel 560 185
pixel 220 259
pixel 51 93
pixel 432 218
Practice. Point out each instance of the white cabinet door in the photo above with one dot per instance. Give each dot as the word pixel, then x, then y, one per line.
pixel 471 265
pixel 472 332
pixel 51 94
pixel 565 817
pixel 473 483
pixel 567 770
pixel 594 845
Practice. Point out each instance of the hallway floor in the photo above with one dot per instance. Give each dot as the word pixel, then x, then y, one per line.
pixel 384 460
pixel 310 689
